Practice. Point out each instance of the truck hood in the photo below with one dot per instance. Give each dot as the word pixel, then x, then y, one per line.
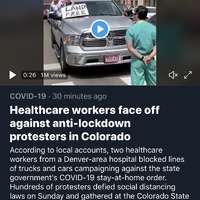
pixel 79 25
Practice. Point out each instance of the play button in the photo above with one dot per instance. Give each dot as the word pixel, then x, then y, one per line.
pixel 11 74
pixel 99 29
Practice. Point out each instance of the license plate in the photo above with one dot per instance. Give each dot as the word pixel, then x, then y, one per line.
pixel 111 58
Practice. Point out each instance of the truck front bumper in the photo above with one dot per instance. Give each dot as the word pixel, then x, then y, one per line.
pixel 96 58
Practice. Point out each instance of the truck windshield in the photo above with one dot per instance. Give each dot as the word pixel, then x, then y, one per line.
pixel 122 7
pixel 100 8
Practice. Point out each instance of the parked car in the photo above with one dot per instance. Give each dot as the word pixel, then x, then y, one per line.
pixel 46 8
pixel 152 20
pixel 76 46
pixel 151 11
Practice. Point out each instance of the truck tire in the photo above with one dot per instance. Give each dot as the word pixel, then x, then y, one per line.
pixel 65 68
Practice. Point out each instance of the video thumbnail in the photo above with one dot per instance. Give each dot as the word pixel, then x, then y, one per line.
pixel 86 41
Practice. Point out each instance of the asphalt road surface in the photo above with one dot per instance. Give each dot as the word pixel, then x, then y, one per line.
pixel 101 75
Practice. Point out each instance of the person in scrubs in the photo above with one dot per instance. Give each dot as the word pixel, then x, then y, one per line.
pixel 141 42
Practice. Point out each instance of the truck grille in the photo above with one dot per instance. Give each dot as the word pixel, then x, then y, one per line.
pixel 119 42
pixel 118 33
pixel 116 37
pixel 95 43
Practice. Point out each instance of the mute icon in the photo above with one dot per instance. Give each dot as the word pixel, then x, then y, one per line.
pixel 173 74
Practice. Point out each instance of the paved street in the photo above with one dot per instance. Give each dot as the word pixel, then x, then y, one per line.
pixel 102 75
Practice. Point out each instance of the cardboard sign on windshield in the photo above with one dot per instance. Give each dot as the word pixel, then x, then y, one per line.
pixel 76 10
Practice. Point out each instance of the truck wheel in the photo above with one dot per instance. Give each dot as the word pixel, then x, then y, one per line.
pixel 53 41
pixel 65 68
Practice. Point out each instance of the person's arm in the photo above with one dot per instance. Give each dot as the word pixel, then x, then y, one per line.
pixel 147 59
pixel 153 53
pixel 129 45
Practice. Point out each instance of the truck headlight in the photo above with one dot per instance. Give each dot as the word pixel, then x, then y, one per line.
pixel 72 39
